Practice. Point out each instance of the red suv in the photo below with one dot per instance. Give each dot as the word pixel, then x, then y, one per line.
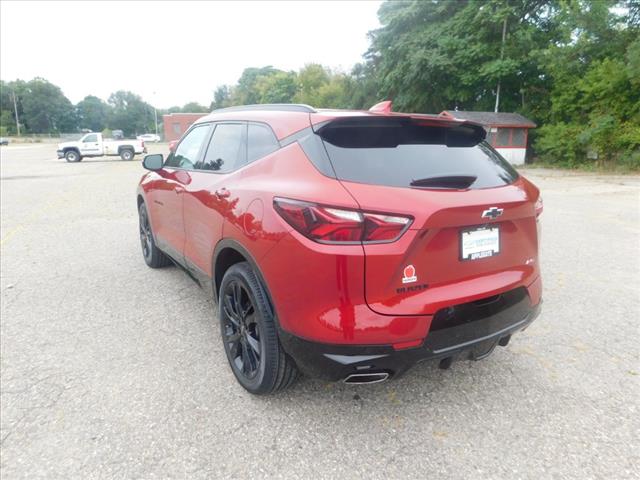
pixel 346 245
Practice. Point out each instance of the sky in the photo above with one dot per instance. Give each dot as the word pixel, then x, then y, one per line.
pixel 171 53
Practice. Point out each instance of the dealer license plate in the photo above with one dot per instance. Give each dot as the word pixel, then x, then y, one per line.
pixel 479 243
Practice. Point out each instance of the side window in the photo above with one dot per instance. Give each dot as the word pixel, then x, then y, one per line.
pixel 90 138
pixel 503 137
pixel 260 142
pixel 186 155
pixel 518 138
pixel 226 151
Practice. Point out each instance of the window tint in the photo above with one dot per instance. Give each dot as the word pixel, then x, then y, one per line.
pixel 400 156
pixel 518 137
pixel 503 137
pixel 260 142
pixel 226 151
pixel 186 154
pixel 90 138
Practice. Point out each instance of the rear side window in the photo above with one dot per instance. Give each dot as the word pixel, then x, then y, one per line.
pixel 260 142
pixel 226 151
pixel 404 154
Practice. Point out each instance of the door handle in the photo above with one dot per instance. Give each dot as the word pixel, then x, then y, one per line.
pixel 223 193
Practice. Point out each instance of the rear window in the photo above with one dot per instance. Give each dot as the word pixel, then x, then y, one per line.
pixel 404 154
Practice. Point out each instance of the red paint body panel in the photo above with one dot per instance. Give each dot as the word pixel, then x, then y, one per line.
pixel 344 294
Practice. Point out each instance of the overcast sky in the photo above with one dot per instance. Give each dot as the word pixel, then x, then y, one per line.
pixel 179 50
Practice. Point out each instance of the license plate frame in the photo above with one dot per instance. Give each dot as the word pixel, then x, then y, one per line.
pixel 490 235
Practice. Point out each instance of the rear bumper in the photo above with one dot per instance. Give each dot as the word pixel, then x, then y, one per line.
pixel 466 331
pixel 60 153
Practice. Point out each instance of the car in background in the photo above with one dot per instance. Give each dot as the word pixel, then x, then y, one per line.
pixel 149 137
pixel 93 145
pixel 4 141
pixel 347 245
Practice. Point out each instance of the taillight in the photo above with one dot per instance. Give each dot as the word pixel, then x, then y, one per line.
pixel 539 206
pixel 326 224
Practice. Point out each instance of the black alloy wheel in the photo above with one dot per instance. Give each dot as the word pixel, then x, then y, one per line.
pixel 146 237
pixel 249 333
pixel 153 256
pixel 241 331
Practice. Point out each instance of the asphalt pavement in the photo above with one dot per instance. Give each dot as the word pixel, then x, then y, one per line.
pixel 109 369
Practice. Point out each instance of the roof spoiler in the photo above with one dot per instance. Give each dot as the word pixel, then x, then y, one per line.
pixel 382 107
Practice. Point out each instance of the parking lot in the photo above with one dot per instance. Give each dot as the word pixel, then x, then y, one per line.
pixel 112 370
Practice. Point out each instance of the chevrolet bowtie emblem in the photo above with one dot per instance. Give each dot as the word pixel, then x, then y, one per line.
pixel 493 212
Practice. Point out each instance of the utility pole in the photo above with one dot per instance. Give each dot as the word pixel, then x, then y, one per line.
pixel 15 108
pixel 504 36
pixel 155 111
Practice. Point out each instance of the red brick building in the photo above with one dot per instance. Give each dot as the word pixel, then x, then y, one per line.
pixel 175 124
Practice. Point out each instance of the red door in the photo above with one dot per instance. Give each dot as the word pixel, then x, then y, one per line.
pixel 209 198
pixel 166 194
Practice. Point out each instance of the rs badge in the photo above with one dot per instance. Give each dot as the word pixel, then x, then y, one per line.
pixel 409 274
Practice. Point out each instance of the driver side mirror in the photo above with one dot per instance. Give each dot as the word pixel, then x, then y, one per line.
pixel 153 162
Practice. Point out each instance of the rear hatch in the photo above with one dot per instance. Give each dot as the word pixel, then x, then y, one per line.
pixel 473 233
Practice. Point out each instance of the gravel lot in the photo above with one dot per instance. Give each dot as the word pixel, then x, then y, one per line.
pixel 112 370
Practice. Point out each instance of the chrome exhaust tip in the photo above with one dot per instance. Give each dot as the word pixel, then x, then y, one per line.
pixel 366 378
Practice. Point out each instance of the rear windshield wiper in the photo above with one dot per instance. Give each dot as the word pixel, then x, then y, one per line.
pixel 445 181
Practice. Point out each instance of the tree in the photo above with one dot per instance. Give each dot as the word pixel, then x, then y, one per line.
pixel 45 109
pixel 430 56
pixel 245 92
pixel 221 97
pixel 594 89
pixel 93 113
pixel 310 79
pixel 277 87
pixel 194 107
pixel 11 92
pixel 130 113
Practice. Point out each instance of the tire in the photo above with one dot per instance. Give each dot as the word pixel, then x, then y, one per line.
pixel 127 154
pixel 152 255
pixel 72 156
pixel 249 334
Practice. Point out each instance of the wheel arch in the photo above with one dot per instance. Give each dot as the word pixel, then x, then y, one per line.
pixel 228 252
pixel 125 147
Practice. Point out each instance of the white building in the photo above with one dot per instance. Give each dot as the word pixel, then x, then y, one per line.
pixel 506 132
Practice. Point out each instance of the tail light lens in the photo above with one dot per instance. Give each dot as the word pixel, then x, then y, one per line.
pixel 326 224
pixel 539 206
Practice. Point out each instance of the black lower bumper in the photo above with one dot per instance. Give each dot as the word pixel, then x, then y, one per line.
pixel 467 331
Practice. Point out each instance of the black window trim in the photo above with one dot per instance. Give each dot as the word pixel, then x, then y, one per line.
pixel 203 153
pixel 200 152
pixel 203 150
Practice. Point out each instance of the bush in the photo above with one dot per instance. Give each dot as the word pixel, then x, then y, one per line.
pixel 558 144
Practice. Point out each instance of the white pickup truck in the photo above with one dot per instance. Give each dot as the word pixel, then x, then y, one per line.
pixel 93 145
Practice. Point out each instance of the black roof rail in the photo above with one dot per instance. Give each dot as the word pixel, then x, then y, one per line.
pixel 269 107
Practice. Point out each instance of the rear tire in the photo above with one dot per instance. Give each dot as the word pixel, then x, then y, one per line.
pixel 152 255
pixel 249 334
pixel 72 156
pixel 127 154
